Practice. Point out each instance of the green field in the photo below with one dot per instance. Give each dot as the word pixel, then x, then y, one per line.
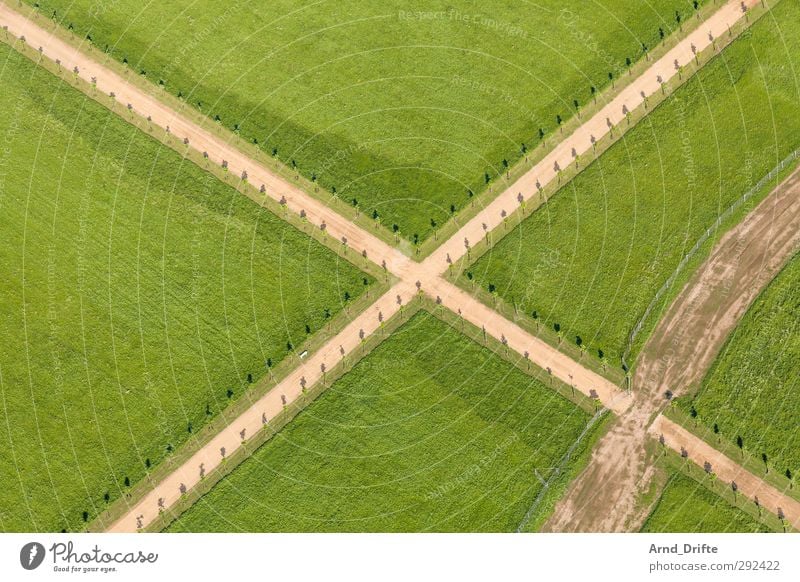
pixel 686 506
pixel 429 432
pixel 591 260
pixel 402 106
pixel 753 390
pixel 138 293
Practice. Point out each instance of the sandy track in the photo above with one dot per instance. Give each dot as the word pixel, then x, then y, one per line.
pixel 726 470
pixel 427 273
pixel 548 358
pixel 597 126
pixel 677 356
pixel 169 490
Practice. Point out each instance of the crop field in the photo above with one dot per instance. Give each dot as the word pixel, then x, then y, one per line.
pixel 140 296
pixel 752 394
pixel 429 432
pixel 686 506
pixel 402 108
pixel 589 262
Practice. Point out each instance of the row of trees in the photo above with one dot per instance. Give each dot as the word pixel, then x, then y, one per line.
pixel 581 345
pixel 765 459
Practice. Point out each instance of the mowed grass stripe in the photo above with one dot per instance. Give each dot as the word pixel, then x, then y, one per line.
pixel 401 106
pixel 139 296
pixel 752 394
pixel 429 432
pixel 590 260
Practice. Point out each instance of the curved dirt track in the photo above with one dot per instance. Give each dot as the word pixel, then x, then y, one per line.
pixel 677 356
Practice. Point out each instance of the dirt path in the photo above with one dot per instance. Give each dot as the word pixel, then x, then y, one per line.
pixel 597 126
pixel 542 354
pixel 427 274
pixel 678 355
pixel 726 470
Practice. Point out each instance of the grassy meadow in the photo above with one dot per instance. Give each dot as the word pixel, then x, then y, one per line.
pixel 140 296
pixel 751 396
pixel 402 107
pixel 686 506
pixel 429 432
pixel 589 262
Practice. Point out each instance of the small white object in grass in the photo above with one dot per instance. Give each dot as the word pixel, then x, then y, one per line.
pixel 303 354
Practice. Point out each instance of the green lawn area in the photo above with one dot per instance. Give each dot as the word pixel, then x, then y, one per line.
pixel 429 432
pixel 753 390
pixel 402 106
pixel 138 293
pixel 591 260
pixel 686 506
